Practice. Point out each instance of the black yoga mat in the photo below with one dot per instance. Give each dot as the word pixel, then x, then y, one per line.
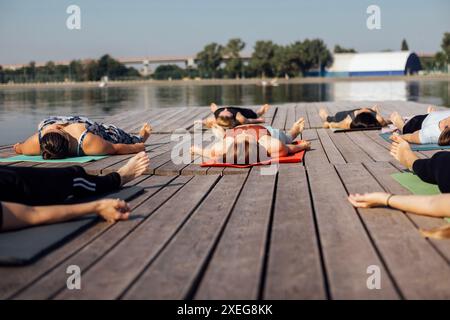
pixel 27 245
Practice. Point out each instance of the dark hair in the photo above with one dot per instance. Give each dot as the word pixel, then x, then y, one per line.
pixel 365 120
pixel 444 138
pixel 54 146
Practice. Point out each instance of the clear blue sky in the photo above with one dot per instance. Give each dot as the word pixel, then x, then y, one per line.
pixel 36 30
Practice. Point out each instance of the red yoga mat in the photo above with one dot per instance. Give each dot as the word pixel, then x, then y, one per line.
pixel 294 158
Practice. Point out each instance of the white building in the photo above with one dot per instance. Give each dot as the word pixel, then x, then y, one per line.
pixel 374 64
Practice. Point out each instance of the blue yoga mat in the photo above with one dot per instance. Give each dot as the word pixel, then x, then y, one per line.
pixel 21 158
pixel 417 147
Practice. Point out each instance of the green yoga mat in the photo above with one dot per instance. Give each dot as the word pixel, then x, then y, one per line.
pixel 82 159
pixel 417 147
pixel 413 183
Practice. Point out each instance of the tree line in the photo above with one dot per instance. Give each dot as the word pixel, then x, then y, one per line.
pixel 300 58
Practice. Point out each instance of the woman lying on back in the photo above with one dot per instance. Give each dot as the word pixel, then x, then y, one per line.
pixel 62 137
pixel 361 118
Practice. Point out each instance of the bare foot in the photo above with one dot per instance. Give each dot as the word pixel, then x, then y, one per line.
pixel 213 107
pixel 397 120
pixel 297 127
pixel 263 110
pixel 240 118
pixel 323 114
pixel 305 145
pixel 134 168
pixel 431 109
pixel 376 108
pixel 145 132
pixel 401 151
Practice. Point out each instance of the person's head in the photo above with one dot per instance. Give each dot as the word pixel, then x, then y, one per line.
pixel 54 145
pixel 444 138
pixel 365 120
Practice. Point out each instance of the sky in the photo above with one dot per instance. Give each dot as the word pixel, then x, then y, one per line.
pixel 36 30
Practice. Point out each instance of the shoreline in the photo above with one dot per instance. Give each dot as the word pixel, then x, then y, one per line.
pixel 206 82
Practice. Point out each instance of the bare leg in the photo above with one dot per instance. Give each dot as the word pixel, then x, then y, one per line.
pixel 262 110
pixel 243 120
pixel 323 114
pixel 273 146
pixel 145 132
pixel 134 168
pixel 397 120
pixel 401 151
pixel 297 128
pixel 294 148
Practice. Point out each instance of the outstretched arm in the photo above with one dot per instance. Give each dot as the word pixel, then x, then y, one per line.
pixel 411 137
pixel 435 206
pixel 16 216
pixel 94 145
pixel 29 147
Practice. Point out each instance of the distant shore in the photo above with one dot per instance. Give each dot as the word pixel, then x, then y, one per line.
pixel 257 81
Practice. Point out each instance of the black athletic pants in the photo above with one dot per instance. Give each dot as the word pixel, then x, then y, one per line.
pixel 435 170
pixel 45 186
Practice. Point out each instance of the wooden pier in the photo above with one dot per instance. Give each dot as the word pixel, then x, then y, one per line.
pixel 214 233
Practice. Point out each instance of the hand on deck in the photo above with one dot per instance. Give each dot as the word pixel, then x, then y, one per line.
pixel 112 210
pixel 369 200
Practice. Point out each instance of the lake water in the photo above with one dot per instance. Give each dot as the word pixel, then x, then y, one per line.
pixel 22 109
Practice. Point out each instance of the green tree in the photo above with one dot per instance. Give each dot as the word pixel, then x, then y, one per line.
pixel 312 54
pixel 262 58
pixel 168 71
pixel 405 45
pixel 209 60
pixel 233 64
pixel 445 45
pixel 2 75
pixel 285 61
pixel 339 49
pixel 31 71
pixel 441 60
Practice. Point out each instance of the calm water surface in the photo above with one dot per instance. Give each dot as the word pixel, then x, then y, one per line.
pixel 22 109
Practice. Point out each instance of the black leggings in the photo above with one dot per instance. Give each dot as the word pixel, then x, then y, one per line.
pixel 435 170
pixel 44 186
pixel 414 124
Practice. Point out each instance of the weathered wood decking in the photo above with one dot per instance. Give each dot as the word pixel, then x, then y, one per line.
pixel 234 233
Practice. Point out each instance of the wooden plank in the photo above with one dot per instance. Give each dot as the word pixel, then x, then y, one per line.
pixel 177 268
pixel 279 120
pixel 349 150
pixel 111 276
pixel 333 153
pixel 405 252
pixel 346 247
pixel 294 268
pixel 375 151
pixel 238 260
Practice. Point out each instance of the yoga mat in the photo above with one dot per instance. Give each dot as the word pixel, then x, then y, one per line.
pixel 337 130
pixel 82 159
pixel 27 245
pixel 414 184
pixel 295 158
pixel 417 147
